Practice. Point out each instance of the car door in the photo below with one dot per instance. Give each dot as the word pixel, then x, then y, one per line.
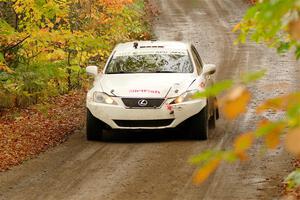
pixel 208 79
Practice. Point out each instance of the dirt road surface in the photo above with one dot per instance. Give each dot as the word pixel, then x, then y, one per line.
pixel 154 165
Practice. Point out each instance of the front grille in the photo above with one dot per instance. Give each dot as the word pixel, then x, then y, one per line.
pixel 144 123
pixel 142 103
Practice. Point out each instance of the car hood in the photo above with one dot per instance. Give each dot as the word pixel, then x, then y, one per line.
pixel 146 85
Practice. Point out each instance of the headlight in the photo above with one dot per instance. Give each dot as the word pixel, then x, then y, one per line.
pixel 101 97
pixel 188 96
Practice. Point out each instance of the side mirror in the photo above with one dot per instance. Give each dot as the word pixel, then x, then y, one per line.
pixel 209 69
pixel 92 70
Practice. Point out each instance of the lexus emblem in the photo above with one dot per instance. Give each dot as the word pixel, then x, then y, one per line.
pixel 143 102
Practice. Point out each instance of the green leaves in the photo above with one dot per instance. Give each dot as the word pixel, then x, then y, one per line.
pixel 284 47
pixel 5 28
pixel 215 90
pixel 293 179
pixel 253 76
pixel 1 57
pixel 54 40
pixel 203 157
pixel 224 85
pixel 243 143
pixel 276 23
pixel 272 22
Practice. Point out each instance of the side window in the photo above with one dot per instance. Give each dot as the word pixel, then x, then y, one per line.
pixel 198 56
pixel 197 61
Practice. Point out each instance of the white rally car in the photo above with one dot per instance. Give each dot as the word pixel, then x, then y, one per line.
pixel 150 85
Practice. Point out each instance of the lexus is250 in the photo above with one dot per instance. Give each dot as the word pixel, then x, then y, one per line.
pixel 151 85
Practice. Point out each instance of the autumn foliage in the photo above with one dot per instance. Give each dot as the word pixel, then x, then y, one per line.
pixel 233 104
pixel 277 24
pixel 24 133
pixel 45 45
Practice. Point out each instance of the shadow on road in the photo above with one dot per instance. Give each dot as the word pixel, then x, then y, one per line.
pixel 145 136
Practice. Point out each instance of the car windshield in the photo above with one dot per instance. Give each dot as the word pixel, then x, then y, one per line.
pixel 150 62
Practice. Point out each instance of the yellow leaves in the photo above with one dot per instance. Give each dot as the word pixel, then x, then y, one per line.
pixel 111 6
pixel 272 139
pixel 58 19
pixel 274 104
pixel 279 104
pixel 56 55
pixel 292 142
pixel 117 4
pixel 270 132
pixel 294 29
pixel 203 173
pixel 44 30
pixel 236 27
pixel 242 144
pixel 5 68
pixel 235 102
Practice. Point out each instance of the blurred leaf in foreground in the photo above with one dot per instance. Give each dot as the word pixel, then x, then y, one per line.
pixel 272 139
pixel 254 76
pixel 206 170
pixel 235 102
pixel 215 90
pixel 293 180
pixel 242 144
pixel 292 141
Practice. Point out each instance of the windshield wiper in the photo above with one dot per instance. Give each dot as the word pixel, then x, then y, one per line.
pixel 120 72
pixel 124 72
pixel 163 71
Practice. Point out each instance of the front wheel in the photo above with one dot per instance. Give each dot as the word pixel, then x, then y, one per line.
pixel 212 120
pixel 93 127
pixel 215 115
pixel 198 126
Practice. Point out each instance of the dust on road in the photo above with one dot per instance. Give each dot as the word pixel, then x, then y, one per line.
pixel 154 165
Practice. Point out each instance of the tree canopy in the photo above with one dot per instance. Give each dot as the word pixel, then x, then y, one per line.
pixel 44 44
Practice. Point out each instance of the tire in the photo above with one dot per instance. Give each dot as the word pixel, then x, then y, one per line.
pixel 93 127
pixel 215 115
pixel 198 126
pixel 212 120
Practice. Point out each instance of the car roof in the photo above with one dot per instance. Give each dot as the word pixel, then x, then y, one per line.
pixel 129 46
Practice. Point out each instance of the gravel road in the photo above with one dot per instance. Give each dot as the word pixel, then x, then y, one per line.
pixel 154 165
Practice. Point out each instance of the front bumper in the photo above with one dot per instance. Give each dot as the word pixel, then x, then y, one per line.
pixel 120 117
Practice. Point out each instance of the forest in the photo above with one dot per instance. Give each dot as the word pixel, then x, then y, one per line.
pixel 46 44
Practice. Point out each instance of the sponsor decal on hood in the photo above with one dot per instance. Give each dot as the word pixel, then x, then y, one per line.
pixel 146 85
pixel 144 91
